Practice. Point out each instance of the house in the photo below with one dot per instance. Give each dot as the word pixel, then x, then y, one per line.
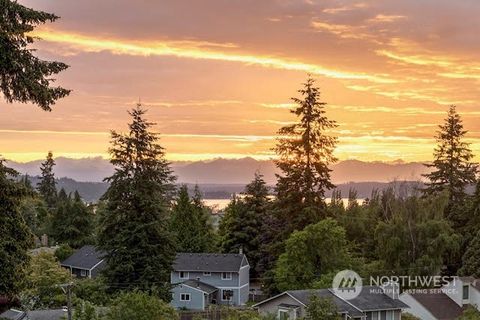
pixel 373 303
pixel 86 262
pixel 201 279
pixel 50 314
pixel 446 303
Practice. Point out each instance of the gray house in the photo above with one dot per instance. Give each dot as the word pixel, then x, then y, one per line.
pixel 201 279
pixel 373 303
pixel 86 262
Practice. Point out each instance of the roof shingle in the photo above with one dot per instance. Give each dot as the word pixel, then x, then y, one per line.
pixel 84 258
pixel 212 262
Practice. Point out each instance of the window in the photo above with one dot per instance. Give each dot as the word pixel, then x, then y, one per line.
pixel 184 275
pixel 184 296
pixel 226 276
pixel 208 274
pixel 283 314
pixel 83 273
pixel 227 295
pixel 465 292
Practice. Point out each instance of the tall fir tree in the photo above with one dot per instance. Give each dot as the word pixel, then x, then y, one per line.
pixel 186 224
pixel 47 185
pixel 305 150
pixel 453 169
pixel 15 236
pixel 241 227
pixel 23 76
pixel 133 227
pixel 72 222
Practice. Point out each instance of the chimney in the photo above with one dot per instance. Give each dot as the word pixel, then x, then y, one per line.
pixel 240 251
pixel 391 289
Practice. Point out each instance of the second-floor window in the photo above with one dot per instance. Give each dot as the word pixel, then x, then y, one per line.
pixel 208 274
pixel 226 276
pixel 183 275
pixel 465 292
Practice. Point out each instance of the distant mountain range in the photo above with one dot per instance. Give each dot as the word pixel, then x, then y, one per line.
pixel 220 178
pixel 230 171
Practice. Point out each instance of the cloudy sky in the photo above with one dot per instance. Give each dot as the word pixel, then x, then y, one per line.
pixel 217 75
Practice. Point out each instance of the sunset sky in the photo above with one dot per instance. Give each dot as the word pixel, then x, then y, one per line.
pixel 217 76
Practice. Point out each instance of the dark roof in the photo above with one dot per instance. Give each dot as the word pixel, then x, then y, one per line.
pixel 205 287
pixel 476 284
pixel 50 314
pixel 373 298
pixel 84 258
pixel 343 307
pixel 439 305
pixel 210 262
pixel 53 314
pixel 286 305
pixel 13 314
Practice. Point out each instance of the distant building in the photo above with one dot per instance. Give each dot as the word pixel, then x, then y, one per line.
pixel 446 303
pixel 201 279
pixel 86 262
pixel 373 303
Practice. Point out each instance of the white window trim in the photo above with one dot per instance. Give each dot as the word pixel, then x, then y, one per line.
pixel 231 298
pixel 227 278
pixel 186 295
pixel 287 311
pixel 184 273
pixel 83 273
pixel 207 273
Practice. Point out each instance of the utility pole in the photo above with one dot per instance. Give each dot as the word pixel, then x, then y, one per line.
pixel 67 289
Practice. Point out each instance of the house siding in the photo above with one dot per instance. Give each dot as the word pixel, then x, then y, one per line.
pixel 196 298
pixel 271 307
pixel 215 279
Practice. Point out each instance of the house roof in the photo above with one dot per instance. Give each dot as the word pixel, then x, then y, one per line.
pixel 84 258
pixel 212 262
pixel 373 298
pixel 52 314
pixel 439 305
pixel 13 314
pixel 48 314
pixel 343 307
pixel 205 287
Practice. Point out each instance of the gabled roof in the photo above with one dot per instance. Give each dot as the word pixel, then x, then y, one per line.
pixel 373 298
pixel 202 286
pixel 439 305
pixel 209 262
pixel 48 314
pixel 13 314
pixel 85 258
pixel 342 306
pixel 303 298
pixel 52 314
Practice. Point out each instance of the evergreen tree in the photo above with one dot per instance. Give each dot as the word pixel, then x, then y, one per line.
pixel 77 229
pixel 241 225
pixel 15 236
pixel 471 258
pixel 23 76
pixel 134 224
pixel 207 233
pixel 46 186
pixel 305 150
pixel 453 169
pixel 186 224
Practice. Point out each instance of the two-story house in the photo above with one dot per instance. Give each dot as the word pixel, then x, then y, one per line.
pixel 446 303
pixel 201 279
